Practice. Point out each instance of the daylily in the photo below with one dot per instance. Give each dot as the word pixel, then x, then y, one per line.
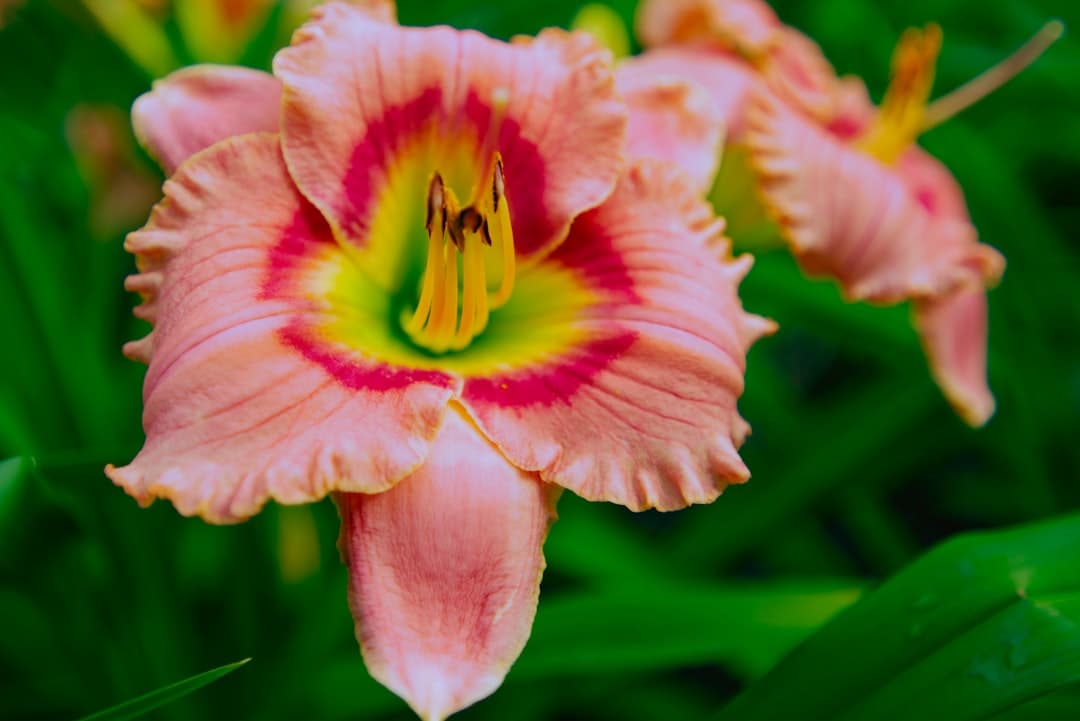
pixel 846 184
pixel 860 201
pixel 728 48
pixel 411 269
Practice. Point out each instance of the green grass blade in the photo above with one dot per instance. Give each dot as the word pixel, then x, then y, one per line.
pixel 155 699
pixel 979 625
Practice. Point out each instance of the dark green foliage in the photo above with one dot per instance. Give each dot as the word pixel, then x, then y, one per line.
pixel 145 704
pixel 859 465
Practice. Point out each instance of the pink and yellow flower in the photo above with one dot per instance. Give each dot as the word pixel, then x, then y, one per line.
pixel 730 47
pixel 843 182
pixel 412 269
pixel 859 200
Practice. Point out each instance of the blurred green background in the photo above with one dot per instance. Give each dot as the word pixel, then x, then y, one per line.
pixel 859 465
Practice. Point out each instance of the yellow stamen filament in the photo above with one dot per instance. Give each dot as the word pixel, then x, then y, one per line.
pixel 475 293
pixel 436 324
pixel 436 223
pixel 982 85
pixel 503 241
pixel 442 328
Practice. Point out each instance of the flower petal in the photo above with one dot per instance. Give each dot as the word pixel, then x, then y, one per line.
pixel 359 90
pixel 444 571
pixel 745 26
pixel 796 69
pixel 852 110
pixel 643 412
pixel 237 409
pixel 674 120
pixel 932 185
pixel 196 107
pixel 953 331
pixel 851 217
pixel 726 79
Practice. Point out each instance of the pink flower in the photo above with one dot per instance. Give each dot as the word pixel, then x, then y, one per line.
pixel 410 269
pixel 851 192
pixel 730 47
pixel 858 200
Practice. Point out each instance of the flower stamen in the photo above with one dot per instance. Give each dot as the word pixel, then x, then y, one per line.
pixel 900 117
pixel 502 235
pixel 438 323
pixel 906 112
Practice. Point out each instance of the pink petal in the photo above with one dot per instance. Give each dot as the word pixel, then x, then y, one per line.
pixel 196 107
pixel 237 409
pixel 933 186
pixel 851 217
pixel 673 120
pixel 360 92
pixel 726 79
pixel 797 71
pixel 953 330
pixel 789 62
pixel 644 413
pixel 745 26
pixel 444 571
pixel 852 111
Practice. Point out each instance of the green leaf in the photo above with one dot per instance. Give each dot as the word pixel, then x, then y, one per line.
pixel 747 627
pixel 979 625
pixel 165 695
pixel 12 472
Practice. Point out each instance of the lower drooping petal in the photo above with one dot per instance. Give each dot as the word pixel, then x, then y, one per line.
pixel 673 120
pixel 196 107
pixel 953 331
pixel 851 217
pixel 444 571
pixel 239 406
pixel 643 413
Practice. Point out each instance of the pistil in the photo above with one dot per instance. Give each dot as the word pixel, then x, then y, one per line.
pixel 906 112
pixel 990 80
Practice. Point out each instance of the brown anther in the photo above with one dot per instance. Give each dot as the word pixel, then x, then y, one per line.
pixel 498 185
pixel 470 219
pixel 436 201
pixel 457 237
pixel 485 233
